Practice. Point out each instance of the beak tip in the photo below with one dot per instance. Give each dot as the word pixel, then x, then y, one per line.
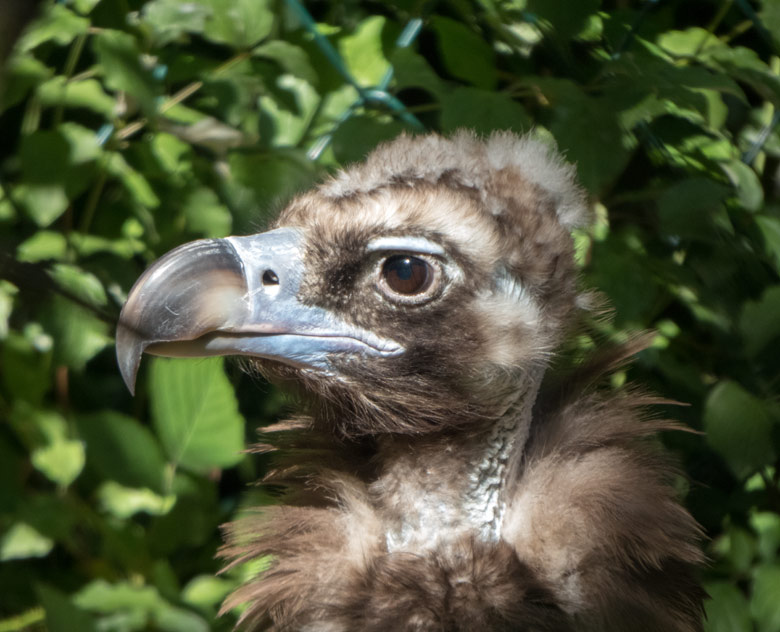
pixel 129 348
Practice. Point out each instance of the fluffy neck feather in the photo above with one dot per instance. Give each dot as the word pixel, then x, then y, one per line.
pixel 438 490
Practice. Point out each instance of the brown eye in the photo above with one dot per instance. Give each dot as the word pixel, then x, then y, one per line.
pixel 407 275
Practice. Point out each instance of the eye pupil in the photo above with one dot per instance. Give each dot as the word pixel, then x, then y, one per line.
pixel 406 275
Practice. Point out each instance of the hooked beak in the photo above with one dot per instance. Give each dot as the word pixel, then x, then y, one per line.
pixel 235 296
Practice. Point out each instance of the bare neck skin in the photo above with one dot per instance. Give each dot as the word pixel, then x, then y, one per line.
pixel 436 489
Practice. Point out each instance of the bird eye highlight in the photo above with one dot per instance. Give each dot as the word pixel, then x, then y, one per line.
pixel 407 275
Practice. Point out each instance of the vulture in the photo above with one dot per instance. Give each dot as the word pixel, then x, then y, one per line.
pixel 438 477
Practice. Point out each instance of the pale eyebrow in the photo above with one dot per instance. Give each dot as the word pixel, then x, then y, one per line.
pixel 405 243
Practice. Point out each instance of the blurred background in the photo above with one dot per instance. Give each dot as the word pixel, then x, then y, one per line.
pixel 128 127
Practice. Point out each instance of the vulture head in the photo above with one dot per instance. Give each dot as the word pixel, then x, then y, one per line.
pixel 416 300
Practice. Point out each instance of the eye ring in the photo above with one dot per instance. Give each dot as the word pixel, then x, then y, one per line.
pixel 408 278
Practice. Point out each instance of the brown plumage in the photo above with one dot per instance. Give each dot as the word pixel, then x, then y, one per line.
pixel 428 486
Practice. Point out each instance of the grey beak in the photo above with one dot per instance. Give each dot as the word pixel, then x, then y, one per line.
pixel 235 296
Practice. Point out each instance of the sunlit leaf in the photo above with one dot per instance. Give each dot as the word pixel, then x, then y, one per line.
pixel 689 42
pixel 750 193
pixel 362 52
pixel 206 591
pixel 171 18
pixel 23 541
pixel 7 293
pixel 145 602
pixel 195 413
pixel 79 334
pixel 87 94
pixel 44 244
pixel 120 58
pixel 287 126
pixel 123 502
pixel 206 214
pixel 241 23
pixel 58 24
pixel 79 283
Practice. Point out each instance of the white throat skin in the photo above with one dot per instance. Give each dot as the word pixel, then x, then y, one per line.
pixel 428 507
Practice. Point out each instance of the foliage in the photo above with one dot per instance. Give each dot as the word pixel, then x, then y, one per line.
pixel 129 127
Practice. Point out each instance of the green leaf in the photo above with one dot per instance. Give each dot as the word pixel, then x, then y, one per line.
pixel 135 183
pixel 79 335
pixel 738 427
pixel 584 126
pixel 61 614
pixel 288 126
pixel 466 55
pixel 79 283
pixel 688 43
pixel 61 462
pixel 689 208
pixel 22 541
pixel 195 413
pixel 43 245
pixel 292 59
pixel 770 17
pixel 360 134
pixel 206 591
pixel 411 70
pixel 7 294
pixel 727 609
pixel 144 603
pixel 770 231
pixel 362 52
pixel 750 193
pixel 43 191
pixel 124 502
pixel 483 111
pixel 744 64
pixel 240 23
pixel 20 75
pixel 57 456
pixel 737 546
pixel 206 214
pixel 121 449
pixel 261 180
pixel 566 18
pixel 767 525
pixel 171 18
pixel 25 367
pixel 58 24
pixel 86 94
pixel 764 604
pixel 759 322
pixel 120 59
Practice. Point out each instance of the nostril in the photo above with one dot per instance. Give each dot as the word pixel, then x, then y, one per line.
pixel 270 278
